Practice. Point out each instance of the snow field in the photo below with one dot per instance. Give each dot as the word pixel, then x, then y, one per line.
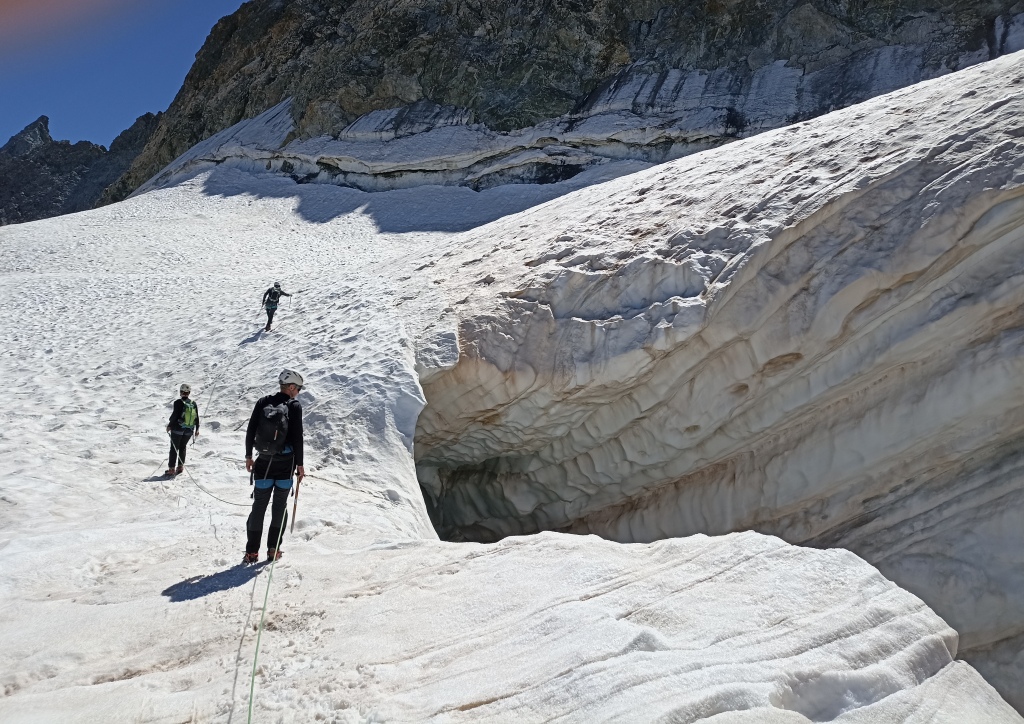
pixel 121 596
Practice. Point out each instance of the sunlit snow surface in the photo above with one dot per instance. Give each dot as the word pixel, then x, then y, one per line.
pixel 121 595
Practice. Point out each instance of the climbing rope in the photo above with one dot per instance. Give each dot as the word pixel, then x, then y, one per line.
pixel 195 482
pixel 228 502
pixel 263 613
pixel 280 533
pixel 332 482
pixel 216 381
pixel 207 406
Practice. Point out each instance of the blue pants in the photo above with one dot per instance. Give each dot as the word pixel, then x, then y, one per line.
pixel 264 490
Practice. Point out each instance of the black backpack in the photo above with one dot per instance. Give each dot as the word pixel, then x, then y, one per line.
pixel 273 295
pixel 272 429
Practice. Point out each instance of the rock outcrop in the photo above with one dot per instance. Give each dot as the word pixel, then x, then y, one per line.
pixel 41 177
pixel 513 92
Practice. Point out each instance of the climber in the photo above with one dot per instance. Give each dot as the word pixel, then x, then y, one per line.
pixel 275 431
pixel 270 299
pixel 184 423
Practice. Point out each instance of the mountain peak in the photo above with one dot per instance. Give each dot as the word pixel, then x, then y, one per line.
pixel 33 136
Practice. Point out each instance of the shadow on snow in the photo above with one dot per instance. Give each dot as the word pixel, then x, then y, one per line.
pixel 255 336
pixel 199 586
pixel 423 208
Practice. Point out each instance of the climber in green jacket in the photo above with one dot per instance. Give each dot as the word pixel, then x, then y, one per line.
pixel 184 423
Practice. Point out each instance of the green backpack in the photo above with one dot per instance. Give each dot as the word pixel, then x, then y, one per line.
pixel 189 415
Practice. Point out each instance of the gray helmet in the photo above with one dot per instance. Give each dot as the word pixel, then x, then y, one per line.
pixel 290 377
pixel 185 388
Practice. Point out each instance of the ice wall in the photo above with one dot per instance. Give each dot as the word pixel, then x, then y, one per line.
pixel 815 333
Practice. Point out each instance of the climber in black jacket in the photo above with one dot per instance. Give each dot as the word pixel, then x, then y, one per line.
pixel 271 297
pixel 275 429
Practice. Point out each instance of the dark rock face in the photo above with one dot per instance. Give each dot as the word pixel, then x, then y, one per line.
pixel 513 64
pixel 40 177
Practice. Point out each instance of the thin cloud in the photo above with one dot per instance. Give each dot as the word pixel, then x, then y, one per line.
pixel 28 21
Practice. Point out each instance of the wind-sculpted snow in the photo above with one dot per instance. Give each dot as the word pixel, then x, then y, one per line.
pixel 121 596
pixel 814 334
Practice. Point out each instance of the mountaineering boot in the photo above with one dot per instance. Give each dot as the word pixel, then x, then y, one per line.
pixel 251 558
pixel 178 470
pixel 273 555
pixel 169 471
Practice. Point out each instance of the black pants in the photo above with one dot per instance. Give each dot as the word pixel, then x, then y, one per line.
pixel 179 446
pixel 270 315
pixel 278 517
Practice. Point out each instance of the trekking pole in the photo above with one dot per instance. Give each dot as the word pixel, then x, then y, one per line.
pixel 295 505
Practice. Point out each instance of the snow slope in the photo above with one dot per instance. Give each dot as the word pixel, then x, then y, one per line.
pixel 120 592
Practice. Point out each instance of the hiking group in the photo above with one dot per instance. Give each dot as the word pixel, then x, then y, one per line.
pixel 274 433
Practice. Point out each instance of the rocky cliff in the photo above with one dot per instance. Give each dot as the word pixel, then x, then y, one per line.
pixel 530 91
pixel 41 177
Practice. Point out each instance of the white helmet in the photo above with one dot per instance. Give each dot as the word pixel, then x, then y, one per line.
pixel 277 285
pixel 185 388
pixel 290 377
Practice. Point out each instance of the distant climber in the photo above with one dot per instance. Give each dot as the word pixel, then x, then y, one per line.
pixel 183 425
pixel 271 297
pixel 275 431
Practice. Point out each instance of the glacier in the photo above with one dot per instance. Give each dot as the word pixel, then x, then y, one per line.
pixel 808 337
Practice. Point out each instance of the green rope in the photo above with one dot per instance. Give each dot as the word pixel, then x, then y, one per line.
pixel 266 596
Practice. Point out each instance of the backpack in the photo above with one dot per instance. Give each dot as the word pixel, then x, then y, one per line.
pixel 189 415
pixel 273 296
pixel 272 429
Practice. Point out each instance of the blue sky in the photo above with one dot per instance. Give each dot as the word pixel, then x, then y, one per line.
pixel 94 66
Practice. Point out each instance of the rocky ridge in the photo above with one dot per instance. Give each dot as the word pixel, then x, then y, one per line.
pixel 513 92
pixel 41 177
